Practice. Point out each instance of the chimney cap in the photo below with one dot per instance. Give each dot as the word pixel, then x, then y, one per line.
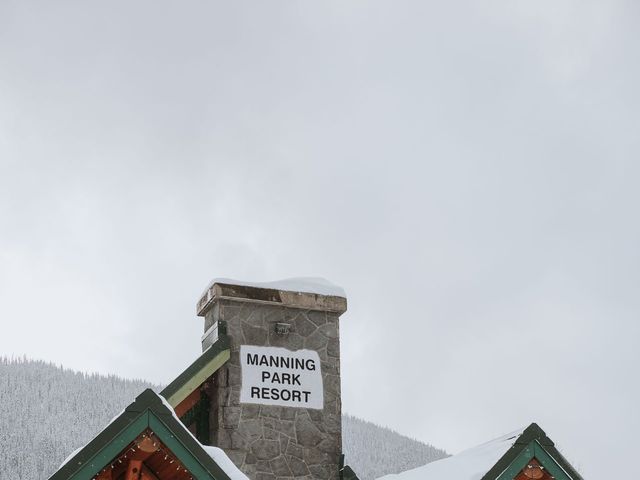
pixel 309 293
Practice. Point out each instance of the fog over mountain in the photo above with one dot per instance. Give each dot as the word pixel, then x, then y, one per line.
pixel 46 412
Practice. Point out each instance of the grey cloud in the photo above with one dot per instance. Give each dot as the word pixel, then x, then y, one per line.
pixel 467 172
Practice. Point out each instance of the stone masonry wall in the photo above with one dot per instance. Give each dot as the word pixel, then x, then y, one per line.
pixel 272 442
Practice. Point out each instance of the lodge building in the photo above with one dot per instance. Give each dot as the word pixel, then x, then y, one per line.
pixel 262 402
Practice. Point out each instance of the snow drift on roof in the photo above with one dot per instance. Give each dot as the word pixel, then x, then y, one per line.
pixel 77 450
pixel 225 463
pixel 70 456
pixel 218 455
pixel 471 464
pixel 315 285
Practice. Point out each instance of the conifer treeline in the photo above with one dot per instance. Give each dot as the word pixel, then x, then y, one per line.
pixel 47 412
pixel 373 451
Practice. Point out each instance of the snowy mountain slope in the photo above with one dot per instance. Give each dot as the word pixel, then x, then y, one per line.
pixel 373 451
pixel 52 411
pixel 46 412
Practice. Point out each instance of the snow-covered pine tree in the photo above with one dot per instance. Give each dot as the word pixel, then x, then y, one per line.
pixel 46 412
pixel 373 451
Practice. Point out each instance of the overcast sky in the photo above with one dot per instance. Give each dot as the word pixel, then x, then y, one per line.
pixel 467 171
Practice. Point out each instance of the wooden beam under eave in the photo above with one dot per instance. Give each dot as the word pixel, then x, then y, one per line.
pixel 188 403
pixel 147 474
pixel 133 470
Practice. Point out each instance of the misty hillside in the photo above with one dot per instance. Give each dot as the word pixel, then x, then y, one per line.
pixel 46 412
pixel 373 451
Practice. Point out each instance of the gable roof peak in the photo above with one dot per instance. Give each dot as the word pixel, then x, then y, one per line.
pixel 147 411
pixel 534 432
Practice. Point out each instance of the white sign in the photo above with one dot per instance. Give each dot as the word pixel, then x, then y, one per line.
pixel 277 376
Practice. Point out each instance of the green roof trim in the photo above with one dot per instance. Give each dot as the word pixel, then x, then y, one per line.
pixel 147 411
pixel 347 473
pixel 534 449
pixel 198 372
pixel 533 442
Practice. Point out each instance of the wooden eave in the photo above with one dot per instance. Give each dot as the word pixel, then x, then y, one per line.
pixel 198 372
pixel 147 412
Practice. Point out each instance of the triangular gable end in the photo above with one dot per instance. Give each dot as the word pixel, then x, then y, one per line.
pixel 147 413
pixel 532 443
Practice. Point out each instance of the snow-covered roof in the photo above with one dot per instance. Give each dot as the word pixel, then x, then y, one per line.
pixel 503 457
pixel 317 285
pixel 224 462
pixel 471 464
pixel 216 454
pixel 204 462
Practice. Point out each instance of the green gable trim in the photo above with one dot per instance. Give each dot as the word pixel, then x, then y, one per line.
pixel 198 372
pixel 106 455
pixel 187 457
pixel 148 411
pixel 534 449
pixel 531 438
pixel 123 425
pixel 347 473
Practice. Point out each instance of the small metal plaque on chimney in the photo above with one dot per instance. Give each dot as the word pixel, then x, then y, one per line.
pixel 282 328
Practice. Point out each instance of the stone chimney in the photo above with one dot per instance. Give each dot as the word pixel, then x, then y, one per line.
pixel 276 405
